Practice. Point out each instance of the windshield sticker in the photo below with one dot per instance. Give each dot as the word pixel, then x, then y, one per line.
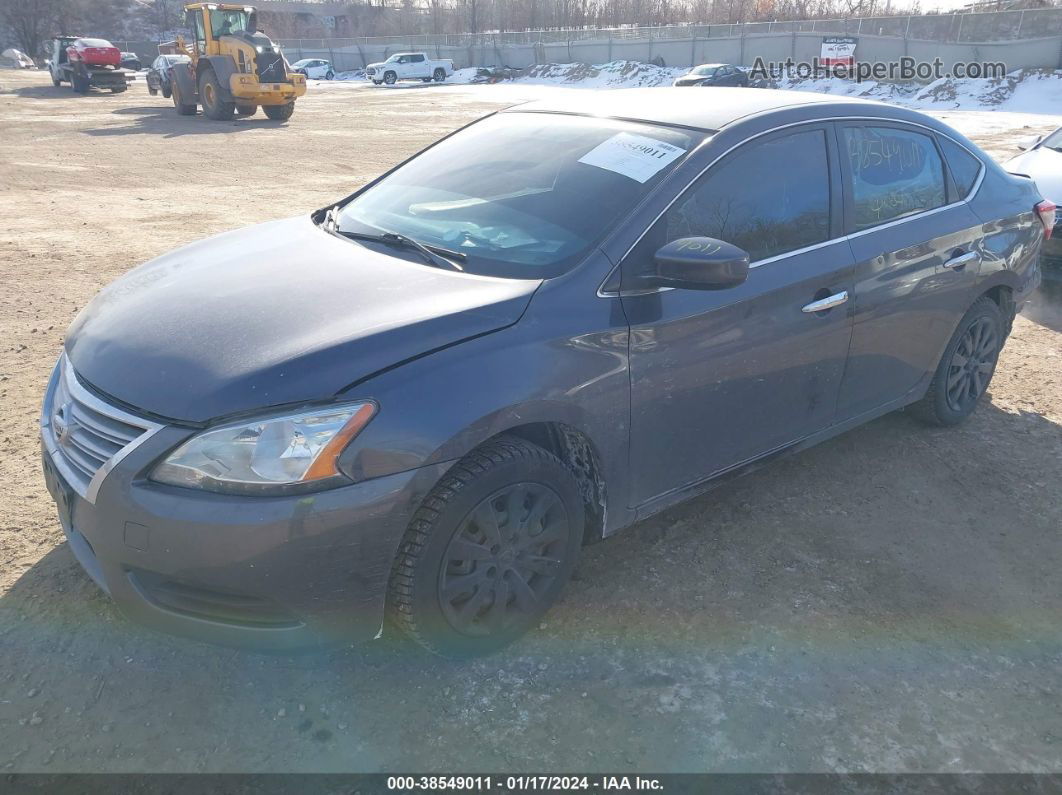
pixel 633 156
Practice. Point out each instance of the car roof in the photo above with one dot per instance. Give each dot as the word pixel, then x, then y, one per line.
pixel 673 106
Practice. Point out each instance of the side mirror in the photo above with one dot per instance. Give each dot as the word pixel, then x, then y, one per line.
pixel 1027 143
pixel 699 263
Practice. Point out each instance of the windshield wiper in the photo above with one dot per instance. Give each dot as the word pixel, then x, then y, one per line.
pixel 433 255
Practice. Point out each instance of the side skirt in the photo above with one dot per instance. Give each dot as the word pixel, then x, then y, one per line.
pixel 664 501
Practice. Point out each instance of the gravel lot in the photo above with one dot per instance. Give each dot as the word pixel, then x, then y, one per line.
pixel 889 601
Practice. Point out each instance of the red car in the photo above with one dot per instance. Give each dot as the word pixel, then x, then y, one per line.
pixel 94 52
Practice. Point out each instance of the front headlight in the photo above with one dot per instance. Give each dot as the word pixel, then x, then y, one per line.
pixel 267 455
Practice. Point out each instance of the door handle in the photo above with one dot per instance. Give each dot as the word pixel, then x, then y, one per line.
pixel 829 302
pixel 962 260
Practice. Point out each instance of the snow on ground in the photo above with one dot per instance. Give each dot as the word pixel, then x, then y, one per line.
pixel 1023 100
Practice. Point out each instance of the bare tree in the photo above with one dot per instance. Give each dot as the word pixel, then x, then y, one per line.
pixel 31 21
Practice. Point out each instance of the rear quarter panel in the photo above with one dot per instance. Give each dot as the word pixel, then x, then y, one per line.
pixel 1013 234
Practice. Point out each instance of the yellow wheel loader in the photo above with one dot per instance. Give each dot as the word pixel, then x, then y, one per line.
pixel 234 67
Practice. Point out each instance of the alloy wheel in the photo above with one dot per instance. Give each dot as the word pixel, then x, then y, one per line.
pixel 504 556
pixel 972 364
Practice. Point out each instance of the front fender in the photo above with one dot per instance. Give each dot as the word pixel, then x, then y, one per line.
pixel 562 366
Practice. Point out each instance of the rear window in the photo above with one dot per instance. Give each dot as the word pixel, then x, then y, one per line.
pixel 965 168
pixel 893 173
pixel 94 43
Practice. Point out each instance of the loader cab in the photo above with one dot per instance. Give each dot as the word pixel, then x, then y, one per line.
pixel 208 22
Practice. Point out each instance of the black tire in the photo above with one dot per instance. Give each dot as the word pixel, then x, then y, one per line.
pixel 376 82
pixel 464 541
pixel 438 75
pixel 390 78
pixel 118 89
pixel 166 92
pixel 214 107
pixel 246 110
pixel 56 81
pixel 279 112
pixel 178 103
pixel 966 368
pixel 330 75
pixel 153 91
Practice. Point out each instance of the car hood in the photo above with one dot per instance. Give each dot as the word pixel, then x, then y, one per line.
pixel 274 314
pixel 1045 167
pixel 376 65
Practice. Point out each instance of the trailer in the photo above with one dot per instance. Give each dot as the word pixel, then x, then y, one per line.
pixel 82 76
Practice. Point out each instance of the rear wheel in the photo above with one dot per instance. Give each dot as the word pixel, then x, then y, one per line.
pixel 488 551
pixel 246 110
pixel 439 75
pixel 279 112
pixel 966 367
pixel 214 107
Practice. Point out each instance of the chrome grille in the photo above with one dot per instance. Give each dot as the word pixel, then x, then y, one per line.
pixel 85 435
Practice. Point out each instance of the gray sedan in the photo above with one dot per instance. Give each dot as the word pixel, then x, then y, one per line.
pixel 423 399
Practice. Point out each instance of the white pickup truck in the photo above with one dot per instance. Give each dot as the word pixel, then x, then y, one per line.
pixel 409 66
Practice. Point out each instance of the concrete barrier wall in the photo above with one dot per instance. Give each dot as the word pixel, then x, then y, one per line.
pixel 742 50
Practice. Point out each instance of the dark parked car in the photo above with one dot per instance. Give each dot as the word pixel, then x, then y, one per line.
pixel 544 328
pixel 130 60
pixel 713 74
pixel 1042 160
pixel 160 74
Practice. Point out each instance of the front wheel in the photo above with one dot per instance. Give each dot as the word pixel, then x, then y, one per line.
pixel 439 75
pixel 330 75
pixel 179 105
pixel 390 78
pixel 246 110
pixel 214 107
pixel 488 551
pixel 153 91
pixel 56 81
pixel 966 368
pixel 279 112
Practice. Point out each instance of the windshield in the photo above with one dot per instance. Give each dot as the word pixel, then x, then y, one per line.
pixel 303 62
pixel 521 195
pixel 1053 141
pixel 705 71
pixel 227 21
pixel 95 43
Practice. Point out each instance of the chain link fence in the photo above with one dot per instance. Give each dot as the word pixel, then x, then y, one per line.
pixel 967 27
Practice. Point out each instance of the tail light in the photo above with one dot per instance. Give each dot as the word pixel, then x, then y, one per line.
pixel 1046 211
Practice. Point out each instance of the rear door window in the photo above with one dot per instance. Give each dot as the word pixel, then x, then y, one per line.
pixel 892 173
pixel 768 198
pixel 964 167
